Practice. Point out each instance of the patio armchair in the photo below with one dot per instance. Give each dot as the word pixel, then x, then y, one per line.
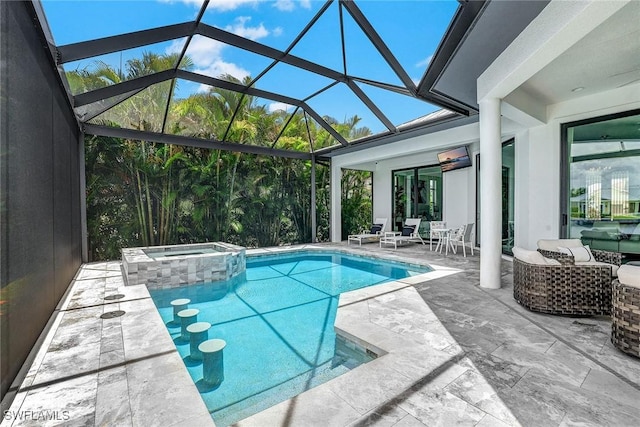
pixel 463 236
pixel 551 282
pixel 408 234
pixel 625 316
pixel 372 235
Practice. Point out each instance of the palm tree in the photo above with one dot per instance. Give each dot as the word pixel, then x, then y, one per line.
pixel 144 193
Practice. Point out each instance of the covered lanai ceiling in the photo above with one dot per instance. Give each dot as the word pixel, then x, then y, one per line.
pixel 160 79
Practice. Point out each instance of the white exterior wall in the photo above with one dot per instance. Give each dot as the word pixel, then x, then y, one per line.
pixel 537 188
pixel 459 196
pixel 458 186
pixel 382 195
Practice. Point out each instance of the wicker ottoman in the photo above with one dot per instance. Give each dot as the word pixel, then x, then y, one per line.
pixel 625 328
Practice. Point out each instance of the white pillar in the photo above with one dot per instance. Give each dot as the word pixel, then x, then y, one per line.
pixel 490 193
pixel 336 203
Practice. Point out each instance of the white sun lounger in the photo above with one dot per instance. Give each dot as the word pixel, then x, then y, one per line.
pixel 396 238
pixel 366 235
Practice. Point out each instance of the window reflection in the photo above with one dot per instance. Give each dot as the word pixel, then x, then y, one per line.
pixel 604 184
pixel 417 194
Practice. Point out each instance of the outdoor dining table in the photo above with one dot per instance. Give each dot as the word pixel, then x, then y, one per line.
pixel 444 239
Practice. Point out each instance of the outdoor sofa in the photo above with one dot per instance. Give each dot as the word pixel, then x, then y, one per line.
pixel 613 236
pixel 550 281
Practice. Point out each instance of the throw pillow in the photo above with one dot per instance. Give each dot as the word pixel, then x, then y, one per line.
pixel 407 230
pixel 375 228
pixel 533 257
pixel 580 254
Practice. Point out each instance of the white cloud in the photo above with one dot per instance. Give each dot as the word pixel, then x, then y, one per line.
pixel 195 3
pixel 253 33
pixel 219 67
pixel 425 62
pixel 203 51
pixel 206 55
pixel 228 4
pixel 289 5
pixel 284 5
pixel 277 106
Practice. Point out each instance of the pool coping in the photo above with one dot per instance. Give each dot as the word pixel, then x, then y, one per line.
pixel 399 354
pixel 127 372
pixel 119 371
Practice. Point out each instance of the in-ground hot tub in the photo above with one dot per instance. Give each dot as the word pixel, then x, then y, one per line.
pixel 178 265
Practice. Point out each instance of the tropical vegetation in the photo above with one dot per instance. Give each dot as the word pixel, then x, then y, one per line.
pixel 142 193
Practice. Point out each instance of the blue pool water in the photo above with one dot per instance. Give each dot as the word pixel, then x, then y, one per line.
pixel 278 325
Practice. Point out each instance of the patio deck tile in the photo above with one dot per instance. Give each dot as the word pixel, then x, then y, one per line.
pixel 489 421
pixel 112 398
pixel 385 416
pixel 370 385
pixel 66 402
pixel 473 388
pixel 450 353
pixel 606 383
pixel 318 406
pixel 441 409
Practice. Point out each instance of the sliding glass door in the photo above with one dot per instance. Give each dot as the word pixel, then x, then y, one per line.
pixel 601 182
pixel 508 202
pixel 417 193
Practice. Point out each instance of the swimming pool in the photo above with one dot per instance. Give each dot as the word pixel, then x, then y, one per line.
pixel 278 325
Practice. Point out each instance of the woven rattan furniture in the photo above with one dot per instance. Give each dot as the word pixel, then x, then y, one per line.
pixel 625 316
pixel 614 258
pixel 570 289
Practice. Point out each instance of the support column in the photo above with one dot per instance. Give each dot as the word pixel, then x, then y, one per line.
pixel 490 193
pixel 336 203
pixel 314 225
pixel 83 200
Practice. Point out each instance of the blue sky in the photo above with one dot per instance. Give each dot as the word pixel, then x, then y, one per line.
pixel 412 30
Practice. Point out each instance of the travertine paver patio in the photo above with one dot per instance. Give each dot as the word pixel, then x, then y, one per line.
pixel 456 354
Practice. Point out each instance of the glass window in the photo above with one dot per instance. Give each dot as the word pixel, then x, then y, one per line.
pixel 417 193
pixel 602 199
pixel 508 184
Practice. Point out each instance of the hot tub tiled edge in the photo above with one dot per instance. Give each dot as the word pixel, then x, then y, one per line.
pixel 226 262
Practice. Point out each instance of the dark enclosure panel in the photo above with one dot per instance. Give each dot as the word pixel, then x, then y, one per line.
pixel 40 243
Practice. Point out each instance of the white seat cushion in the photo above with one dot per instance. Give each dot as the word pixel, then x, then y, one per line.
pixel 553 244
pixel 533 257
pixel 614 268
pixel 629 275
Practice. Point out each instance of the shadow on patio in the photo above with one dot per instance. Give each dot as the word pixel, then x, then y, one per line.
pixel 471 356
